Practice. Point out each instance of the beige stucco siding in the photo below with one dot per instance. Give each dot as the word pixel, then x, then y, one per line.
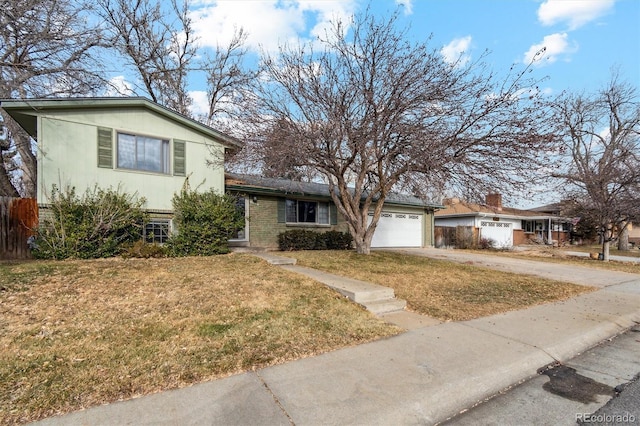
pixel 67 155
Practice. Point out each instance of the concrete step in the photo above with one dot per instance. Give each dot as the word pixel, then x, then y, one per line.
pixel 375 298
pixel 365 296
pixel 385 306
pixel 356 290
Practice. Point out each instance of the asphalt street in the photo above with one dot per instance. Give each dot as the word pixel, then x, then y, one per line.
pixel 598 387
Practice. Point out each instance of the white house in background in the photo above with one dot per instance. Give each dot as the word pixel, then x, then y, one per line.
pixel 128 143
pixel 505 226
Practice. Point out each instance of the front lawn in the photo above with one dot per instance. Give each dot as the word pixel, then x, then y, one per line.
pixel 441 289
pixel 79 333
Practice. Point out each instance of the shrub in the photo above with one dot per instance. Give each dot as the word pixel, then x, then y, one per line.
pixel 142 249
pixel 336 240
pixel 297 239
pixel 464 238
pixel 486 243
pixel 205 222
pixel 88 227
pixel 302 239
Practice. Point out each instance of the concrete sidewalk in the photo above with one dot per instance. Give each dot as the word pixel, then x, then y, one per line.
pixel 423 376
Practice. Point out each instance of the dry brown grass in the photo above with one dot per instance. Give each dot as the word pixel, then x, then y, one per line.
pixel 80 333
pixel 441 289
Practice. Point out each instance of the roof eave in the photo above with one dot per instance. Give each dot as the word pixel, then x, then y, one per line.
pixel 20 110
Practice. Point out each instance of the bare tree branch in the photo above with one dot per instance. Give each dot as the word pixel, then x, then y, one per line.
pixel 601 134
pixel 46 50
pixel 157 43
pixel 372 112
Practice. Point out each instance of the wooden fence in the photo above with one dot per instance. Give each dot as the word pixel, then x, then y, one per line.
pixel 458 236
pixel 18 219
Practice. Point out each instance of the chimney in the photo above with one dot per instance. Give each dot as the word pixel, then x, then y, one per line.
pixel 494 200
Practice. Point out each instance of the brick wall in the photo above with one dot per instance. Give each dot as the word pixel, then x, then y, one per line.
pixel 264 227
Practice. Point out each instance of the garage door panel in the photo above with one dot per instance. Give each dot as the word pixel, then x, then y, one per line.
pixel 500 232
pixel 397 230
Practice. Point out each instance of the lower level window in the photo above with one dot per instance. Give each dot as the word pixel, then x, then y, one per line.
pixel 157 231
pixel 298 211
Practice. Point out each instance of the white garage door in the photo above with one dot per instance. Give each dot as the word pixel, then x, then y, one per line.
pixel 398 230
pixel 500 232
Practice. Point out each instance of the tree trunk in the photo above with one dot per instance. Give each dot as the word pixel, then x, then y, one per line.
pixel 6 187
pixel 362 242
pixel 623 239
pixel 605 250
pixel 362 248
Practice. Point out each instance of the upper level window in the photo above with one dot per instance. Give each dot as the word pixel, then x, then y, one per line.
pixel 298 211
pixel 143 153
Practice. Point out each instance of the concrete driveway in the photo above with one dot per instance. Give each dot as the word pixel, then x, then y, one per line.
pixel 570 273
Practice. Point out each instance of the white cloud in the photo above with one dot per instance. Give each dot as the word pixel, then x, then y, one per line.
pixel 555 45
pixel 407 6
pixel 119 86
pixel 269 23
pixel 457 50
pixel 200 105
pixel 575 12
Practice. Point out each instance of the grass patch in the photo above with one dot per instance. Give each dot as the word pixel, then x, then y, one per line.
pixel 441 289
pixel 19 275
pixel 80 333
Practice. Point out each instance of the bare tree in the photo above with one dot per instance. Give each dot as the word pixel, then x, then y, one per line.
pixel 228 79
pixel 372 112
pixel 158 43
pixel 46 49
pixel 601 135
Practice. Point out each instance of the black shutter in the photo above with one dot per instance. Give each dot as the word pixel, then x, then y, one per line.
pixel 105 147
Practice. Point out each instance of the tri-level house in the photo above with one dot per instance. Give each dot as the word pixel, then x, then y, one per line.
pixel 129 143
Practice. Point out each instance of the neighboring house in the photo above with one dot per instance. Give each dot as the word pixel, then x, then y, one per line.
pixel 273 206
pixel 634 234
pixel 505 226
pixel 131 143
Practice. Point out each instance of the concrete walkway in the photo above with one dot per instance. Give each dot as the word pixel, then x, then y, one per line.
pixel 377 299
pixel 423 376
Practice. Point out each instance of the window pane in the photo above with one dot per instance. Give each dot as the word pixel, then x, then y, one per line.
pixel 307 211
pixel 166 167
pixel 156 231
pixel 150 154
pixel 241 207
pixel 291 215
pixel 143 153
pixel 323 213
pixel 126 151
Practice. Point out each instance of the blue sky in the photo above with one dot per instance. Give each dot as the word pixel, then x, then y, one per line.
pixel 584 38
